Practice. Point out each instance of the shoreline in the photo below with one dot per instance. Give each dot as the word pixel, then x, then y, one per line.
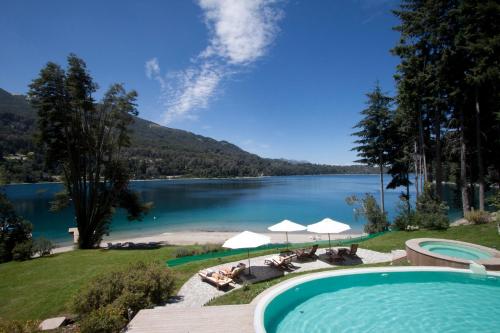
pixel 212 178
pixel 183 238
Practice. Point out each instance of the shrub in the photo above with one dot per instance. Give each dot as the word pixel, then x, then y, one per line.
pixel 13 229
pixel 43 246
pixel 17 326
pixel 370 210
pixel 106 319
pixel 478 217
pixel 210 248
pixel 23 251
pixel 182 252
pixel 135 287
pixel 431 212
pixel 404 220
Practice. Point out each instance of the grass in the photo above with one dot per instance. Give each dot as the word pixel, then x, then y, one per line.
pixel 483 234
pixel 44 287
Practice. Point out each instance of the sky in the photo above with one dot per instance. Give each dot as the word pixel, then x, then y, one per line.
pixel 279 78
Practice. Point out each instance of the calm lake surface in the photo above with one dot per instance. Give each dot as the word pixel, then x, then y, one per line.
pixel 213 205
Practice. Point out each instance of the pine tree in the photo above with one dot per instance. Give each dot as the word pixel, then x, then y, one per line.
pixel 373 144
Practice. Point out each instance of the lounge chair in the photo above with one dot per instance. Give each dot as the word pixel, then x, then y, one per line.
pixel 307 253
pixel 334 255
pixel 281 262
pixel 351 252
pixel 233 272
pixel 217 279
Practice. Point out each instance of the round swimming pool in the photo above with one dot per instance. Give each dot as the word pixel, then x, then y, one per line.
pixel 455 250
pixel 419 299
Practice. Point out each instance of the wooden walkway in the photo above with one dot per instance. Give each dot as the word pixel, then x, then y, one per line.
pixel 208 319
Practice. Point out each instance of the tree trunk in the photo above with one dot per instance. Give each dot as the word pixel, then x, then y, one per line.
pixel 438 168
pixel 463 166
pixel 382 204
pixel 422 145
pixel 416 160
pixel 480 168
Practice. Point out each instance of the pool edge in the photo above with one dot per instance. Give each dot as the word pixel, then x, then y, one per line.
pixel 264 298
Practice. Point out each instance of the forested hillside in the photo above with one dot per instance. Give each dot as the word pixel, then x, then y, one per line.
pixel 156 152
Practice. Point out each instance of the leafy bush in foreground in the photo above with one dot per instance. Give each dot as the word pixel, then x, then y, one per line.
pixel 122 293
pixel 106 319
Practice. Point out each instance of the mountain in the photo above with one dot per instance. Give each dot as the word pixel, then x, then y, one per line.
pixel 156 152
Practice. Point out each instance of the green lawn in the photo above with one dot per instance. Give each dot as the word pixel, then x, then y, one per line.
pixel 44 287
pixel 484 234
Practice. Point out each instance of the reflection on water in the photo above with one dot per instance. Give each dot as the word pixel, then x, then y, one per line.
pixel 215 205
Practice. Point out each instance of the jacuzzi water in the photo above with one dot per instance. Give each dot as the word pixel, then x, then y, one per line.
pixel 455 250
pixel 388 302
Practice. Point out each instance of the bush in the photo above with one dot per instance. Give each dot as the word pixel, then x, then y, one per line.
pixel 43 247
pixel 134 288
pixel 431 212
pixel 106 319
pixel 210 248
pixel 13 229
pixel 404 220
pixel 17 326
pixel 182 252
pixel 478 217
pixel 370 210
pixel 23 251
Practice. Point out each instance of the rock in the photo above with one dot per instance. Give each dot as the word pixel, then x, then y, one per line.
pixel 52 323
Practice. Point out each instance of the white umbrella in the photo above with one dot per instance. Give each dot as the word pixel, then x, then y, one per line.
pixel 287 226
pixel 328 226
pixel 246 240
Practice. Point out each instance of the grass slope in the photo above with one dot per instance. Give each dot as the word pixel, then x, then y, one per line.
pixel 44 287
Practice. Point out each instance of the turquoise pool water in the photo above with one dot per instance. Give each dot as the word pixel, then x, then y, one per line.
pixel 388 302
pixel 455 250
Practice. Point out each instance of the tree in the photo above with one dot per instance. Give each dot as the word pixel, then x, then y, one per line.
pixel 14 229
pixel 367 207
pixel 85 139
pixel 374 133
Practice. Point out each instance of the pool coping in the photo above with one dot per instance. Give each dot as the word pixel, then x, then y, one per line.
pixel 263 299
pixel 420 256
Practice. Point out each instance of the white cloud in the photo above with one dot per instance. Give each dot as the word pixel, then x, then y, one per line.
pixel 240 32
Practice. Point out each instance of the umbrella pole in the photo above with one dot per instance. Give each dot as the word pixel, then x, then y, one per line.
pixel 329 243
pixel 249 272
pixel 286 232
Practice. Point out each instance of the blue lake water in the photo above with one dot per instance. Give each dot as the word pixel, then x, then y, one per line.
pixel 213 205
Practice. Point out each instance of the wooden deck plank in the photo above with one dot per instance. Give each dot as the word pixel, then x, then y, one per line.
pixel 209 319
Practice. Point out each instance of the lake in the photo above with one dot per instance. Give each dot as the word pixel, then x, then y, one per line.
pixel 213 204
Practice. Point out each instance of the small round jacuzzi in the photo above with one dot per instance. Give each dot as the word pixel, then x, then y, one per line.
pixel 451 253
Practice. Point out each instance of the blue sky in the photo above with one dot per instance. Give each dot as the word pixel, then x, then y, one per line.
pixel 278 78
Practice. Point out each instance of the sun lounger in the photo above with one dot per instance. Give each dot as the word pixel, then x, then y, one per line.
pixel 333 255
pixel 307 253
pixel 281 262
pixel 217 279
pixel 351 252
pixel 233 272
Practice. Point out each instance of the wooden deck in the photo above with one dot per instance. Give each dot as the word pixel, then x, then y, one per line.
pixel 208 319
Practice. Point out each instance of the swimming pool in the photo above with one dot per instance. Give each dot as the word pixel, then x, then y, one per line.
pixel 455 250
pixel 417 299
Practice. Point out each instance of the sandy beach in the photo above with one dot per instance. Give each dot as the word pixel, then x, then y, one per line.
pixel 204 237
